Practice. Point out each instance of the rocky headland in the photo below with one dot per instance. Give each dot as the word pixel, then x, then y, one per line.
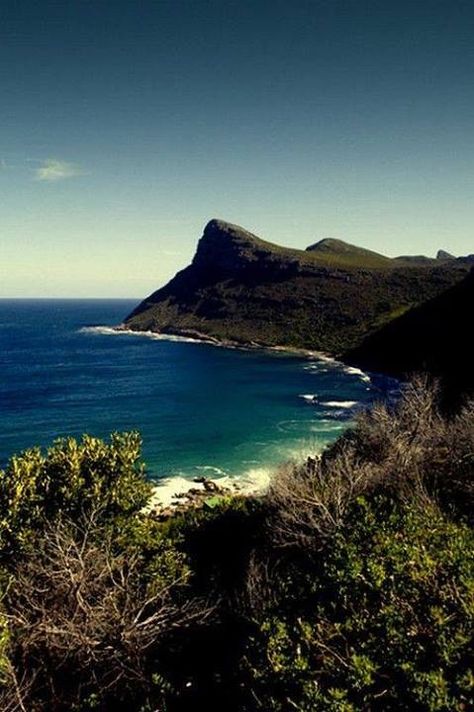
pixel 394 315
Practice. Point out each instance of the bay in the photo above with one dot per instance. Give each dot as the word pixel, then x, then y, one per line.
pixel 201 409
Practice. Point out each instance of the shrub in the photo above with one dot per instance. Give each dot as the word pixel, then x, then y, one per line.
pixel 382 621
pixel 369 569
pixel 87 624
pixel 71 479
pixel 410 451
pixel 92 588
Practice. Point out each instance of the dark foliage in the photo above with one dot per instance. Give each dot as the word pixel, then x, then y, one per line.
pixel 430 338
pixel 348 587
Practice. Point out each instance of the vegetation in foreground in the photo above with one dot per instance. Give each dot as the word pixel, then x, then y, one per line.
pixel 349 586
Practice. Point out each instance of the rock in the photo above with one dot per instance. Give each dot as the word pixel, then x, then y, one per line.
pixel 209 485
pixel 443 255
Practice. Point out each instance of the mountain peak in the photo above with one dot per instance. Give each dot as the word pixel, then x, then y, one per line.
pixel 443 255
pixel 330 244
pixel 243 289
pixel 223 229
pixel 228 247
pixel 336 247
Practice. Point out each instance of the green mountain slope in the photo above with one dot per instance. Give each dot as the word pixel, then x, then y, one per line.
pixel 341 252
pixel 434 337
pixel 243 289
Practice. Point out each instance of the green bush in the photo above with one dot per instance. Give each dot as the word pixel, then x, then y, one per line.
pixel 88 620
pixel 371 605
pixel 72 478
pixel 382 621
pixel 92 587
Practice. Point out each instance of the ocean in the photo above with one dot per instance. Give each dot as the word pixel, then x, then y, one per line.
pixel 201 409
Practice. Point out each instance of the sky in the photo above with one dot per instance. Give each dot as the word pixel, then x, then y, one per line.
pixel 126 126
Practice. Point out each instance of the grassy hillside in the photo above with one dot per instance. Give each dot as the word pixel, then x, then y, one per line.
pixel 328 298
pixel 342 253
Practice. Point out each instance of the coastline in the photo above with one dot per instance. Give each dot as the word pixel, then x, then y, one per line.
pixel 197 337
pixel 194 336
pixel 175 493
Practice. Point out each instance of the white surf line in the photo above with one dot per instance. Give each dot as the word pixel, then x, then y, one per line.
pixel 208 341
pixel 353 371
pixel 339 404
pixel 112 331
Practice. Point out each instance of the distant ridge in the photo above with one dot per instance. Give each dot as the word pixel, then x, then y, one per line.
pixel 221 237
pixel 415 259
pixel 443 255
pixel 244 290
pixel 338 248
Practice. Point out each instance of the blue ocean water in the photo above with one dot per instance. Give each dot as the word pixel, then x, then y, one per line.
pixel 200 409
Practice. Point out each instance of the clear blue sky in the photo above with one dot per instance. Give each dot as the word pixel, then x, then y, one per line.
pixel 125 126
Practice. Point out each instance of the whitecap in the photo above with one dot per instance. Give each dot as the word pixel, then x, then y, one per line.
pixel 98 330
pixel 340 404
pixel 354 371
pixel 324 357
pixel 309 397
pixel 327 427
pixel 316 368
pixel 286 426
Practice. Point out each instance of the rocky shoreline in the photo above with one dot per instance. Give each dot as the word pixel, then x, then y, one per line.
pixel 208 495
pixel 192 335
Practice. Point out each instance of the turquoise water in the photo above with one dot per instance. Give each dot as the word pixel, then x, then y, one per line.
pixel 200 409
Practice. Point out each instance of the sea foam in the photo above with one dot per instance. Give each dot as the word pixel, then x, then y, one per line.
pixel 170 491
pixel 112 331
pixel 340 404
pixel 324 364
pixel 352 370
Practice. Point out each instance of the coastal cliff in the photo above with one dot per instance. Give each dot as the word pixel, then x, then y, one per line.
pixel 329 297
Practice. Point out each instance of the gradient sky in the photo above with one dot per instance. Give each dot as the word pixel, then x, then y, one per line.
pixel 125 126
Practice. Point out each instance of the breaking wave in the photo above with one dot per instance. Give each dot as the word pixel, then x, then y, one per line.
pixel 339 404
pixel 170 490
pixel 112 331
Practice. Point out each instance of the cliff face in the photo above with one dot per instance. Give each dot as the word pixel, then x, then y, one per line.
pixel 241 288
pixel 227 250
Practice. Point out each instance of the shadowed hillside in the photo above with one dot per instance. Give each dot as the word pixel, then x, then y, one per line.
pixel 243 289
pixel 433 337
